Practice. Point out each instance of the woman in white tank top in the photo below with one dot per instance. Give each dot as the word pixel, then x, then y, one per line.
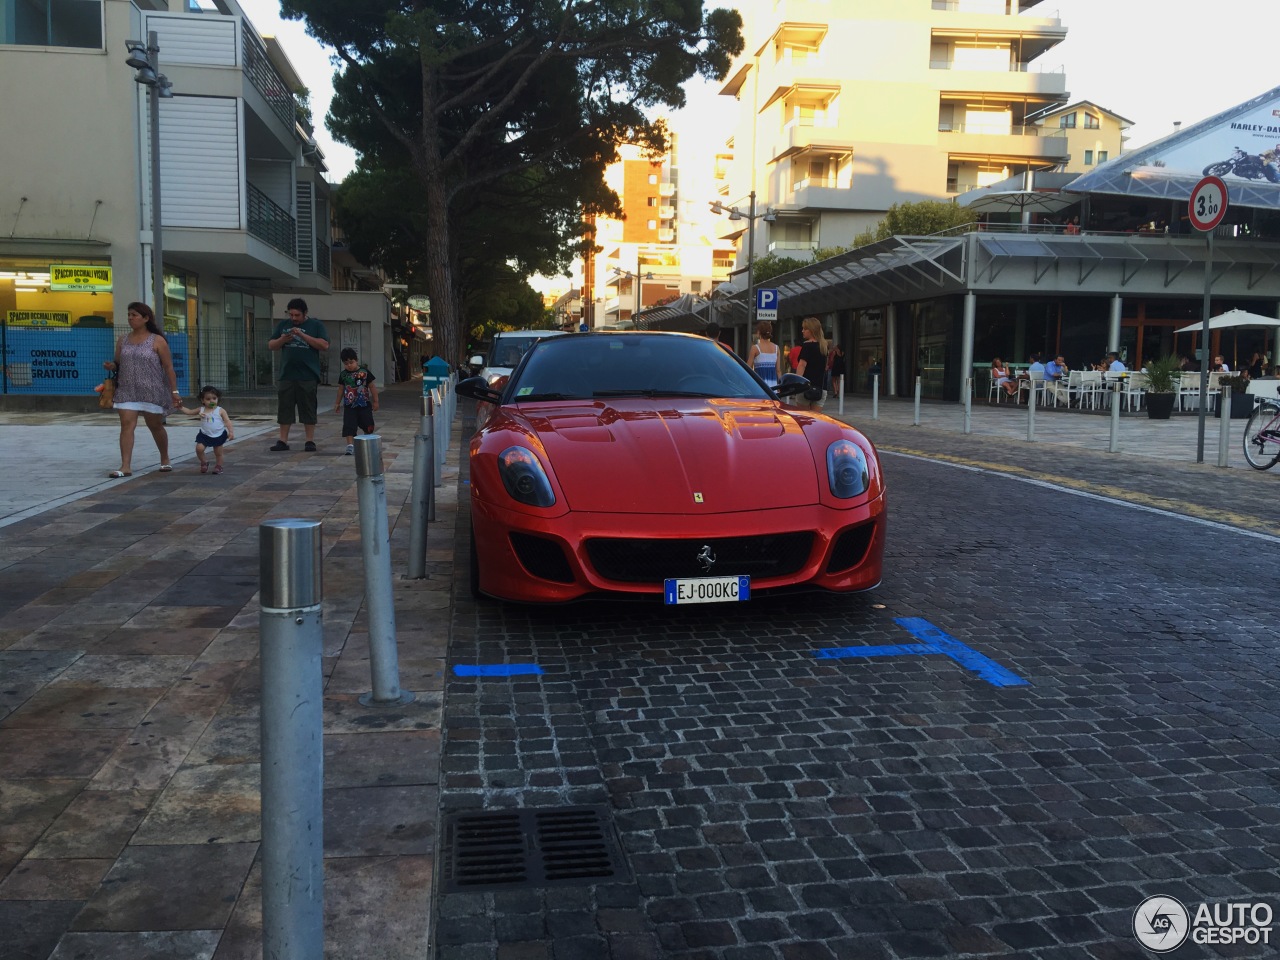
pixel 763 357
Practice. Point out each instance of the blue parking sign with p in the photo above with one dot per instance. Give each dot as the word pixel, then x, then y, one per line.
pixel 766 304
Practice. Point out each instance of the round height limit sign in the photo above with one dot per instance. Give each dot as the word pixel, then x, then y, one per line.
pixel 1208 203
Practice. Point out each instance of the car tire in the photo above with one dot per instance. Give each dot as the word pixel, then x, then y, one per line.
pixel 474 569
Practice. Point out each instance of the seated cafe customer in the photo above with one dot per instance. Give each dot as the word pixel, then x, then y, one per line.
pixel 1114 363
pixel 1055 376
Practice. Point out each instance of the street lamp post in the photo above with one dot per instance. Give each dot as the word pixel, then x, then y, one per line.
pixel 751 217
pixel 145 60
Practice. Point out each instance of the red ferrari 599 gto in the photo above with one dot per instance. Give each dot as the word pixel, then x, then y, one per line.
pixel 659 466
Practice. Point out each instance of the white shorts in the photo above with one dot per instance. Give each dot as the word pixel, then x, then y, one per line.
pixel 141 407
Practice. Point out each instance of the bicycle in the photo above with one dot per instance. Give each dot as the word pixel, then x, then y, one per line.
pixel 1262 436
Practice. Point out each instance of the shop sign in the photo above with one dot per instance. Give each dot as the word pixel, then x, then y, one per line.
pixel 79 276
pixel 38 318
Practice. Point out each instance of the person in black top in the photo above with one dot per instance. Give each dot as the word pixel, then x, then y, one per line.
pixel 812 364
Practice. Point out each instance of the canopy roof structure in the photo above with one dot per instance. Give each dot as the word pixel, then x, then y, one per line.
pixel 1241 145
pixel 685 314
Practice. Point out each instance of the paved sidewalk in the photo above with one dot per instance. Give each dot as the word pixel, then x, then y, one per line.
pixel 129 774
pixel 129 742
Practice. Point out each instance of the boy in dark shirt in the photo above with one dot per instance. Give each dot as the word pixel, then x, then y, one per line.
pixel 357 398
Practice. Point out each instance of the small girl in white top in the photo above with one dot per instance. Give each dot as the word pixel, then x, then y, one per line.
pixel 215 427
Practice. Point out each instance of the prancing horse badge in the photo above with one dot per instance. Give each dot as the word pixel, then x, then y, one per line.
pixel 697 497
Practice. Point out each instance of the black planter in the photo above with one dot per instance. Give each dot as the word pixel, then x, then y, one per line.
pixel 1241 405
pixel 1160 405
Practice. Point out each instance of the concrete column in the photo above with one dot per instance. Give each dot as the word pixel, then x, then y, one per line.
pixel 1113 328
pixel 891 349
pixel 966 342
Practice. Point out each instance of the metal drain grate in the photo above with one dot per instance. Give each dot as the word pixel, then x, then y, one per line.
pixel 531 847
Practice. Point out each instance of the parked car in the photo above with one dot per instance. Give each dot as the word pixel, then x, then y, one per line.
pixel 506 351
pixel 658 466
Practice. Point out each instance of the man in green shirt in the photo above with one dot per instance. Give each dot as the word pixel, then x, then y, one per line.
pixel 300 340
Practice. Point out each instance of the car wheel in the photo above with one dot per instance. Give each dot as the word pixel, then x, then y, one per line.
pixel 474 568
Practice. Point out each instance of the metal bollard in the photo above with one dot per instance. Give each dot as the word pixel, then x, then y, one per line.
pixel 1031 411
pixel 915 419
pixel 375 542
pixel 428 430
pixel 841 394
pixel 423 498
pixel 875 396
pixel 292 785
pixel 1224 424
pixel 968 406
pixel 1114 446
pixel 440 433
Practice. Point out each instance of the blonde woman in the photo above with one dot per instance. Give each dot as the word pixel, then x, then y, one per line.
pixel 812 364
pixel 763 356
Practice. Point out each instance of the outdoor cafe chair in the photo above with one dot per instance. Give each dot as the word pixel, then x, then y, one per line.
pixel 1188 391
pixel 1090 387
pixel 1034 381
pixel 1133 391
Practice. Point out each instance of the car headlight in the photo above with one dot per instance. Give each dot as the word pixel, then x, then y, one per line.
pixel 847 471
pixel 524 478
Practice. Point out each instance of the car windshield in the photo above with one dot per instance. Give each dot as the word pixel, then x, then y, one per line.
pixel 632 365
pixel 507 353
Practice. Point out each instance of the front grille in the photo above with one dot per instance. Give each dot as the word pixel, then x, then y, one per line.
pixel 530 847
pixel 542 558
pixel 851 546
pixel 652 561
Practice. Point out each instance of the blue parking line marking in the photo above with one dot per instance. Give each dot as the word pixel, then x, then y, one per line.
pixel 967 657
pixel 933 641
pixel 896 650
pixel 498 670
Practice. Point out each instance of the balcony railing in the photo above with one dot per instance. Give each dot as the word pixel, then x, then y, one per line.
pixel 792 245
pixel 322 259
pixel 989 130
pixel 806 182
pixel 264 78
pixel 271 223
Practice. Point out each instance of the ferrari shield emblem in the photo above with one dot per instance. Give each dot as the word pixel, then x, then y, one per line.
pixel 697 497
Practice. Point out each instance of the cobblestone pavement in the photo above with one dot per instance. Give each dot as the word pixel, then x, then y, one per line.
pixel 775 804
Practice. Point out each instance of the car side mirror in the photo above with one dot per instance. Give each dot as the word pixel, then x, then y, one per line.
pixel 476 361
pixel 475 388
pixel 791 384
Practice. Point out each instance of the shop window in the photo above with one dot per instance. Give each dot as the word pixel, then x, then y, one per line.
pixel 51 23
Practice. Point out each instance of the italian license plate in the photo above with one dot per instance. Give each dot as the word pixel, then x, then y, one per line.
pixel 707 589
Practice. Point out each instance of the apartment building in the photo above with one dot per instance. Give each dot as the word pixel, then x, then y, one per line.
pixel 243 198
pixel 655 252
pixel 844 109
pixel 1094 134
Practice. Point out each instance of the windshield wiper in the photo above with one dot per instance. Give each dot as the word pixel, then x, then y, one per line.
pixel 535 397
pixel 649 394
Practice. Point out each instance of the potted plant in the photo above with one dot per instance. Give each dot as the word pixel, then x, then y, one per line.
pixel 1163 376
pixel 1241 402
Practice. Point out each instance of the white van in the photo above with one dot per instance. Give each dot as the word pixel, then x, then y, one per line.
pixel 507 350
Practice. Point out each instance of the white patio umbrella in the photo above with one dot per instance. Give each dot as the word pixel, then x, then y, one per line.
pixel 1232 319
pixel 1239 320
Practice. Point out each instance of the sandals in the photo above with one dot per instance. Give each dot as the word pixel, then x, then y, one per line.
pixel 119 474
pixel 204 468
pixel 217 468
pixel 166 468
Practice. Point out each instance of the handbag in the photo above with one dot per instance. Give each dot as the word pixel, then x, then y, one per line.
pixel 813 394
pixel 107 393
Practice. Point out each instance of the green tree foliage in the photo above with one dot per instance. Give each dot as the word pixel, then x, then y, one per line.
pixel 771 265
pixel 917 220
pixel 484 126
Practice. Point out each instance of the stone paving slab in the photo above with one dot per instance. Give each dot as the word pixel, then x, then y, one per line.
pixel 129 740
